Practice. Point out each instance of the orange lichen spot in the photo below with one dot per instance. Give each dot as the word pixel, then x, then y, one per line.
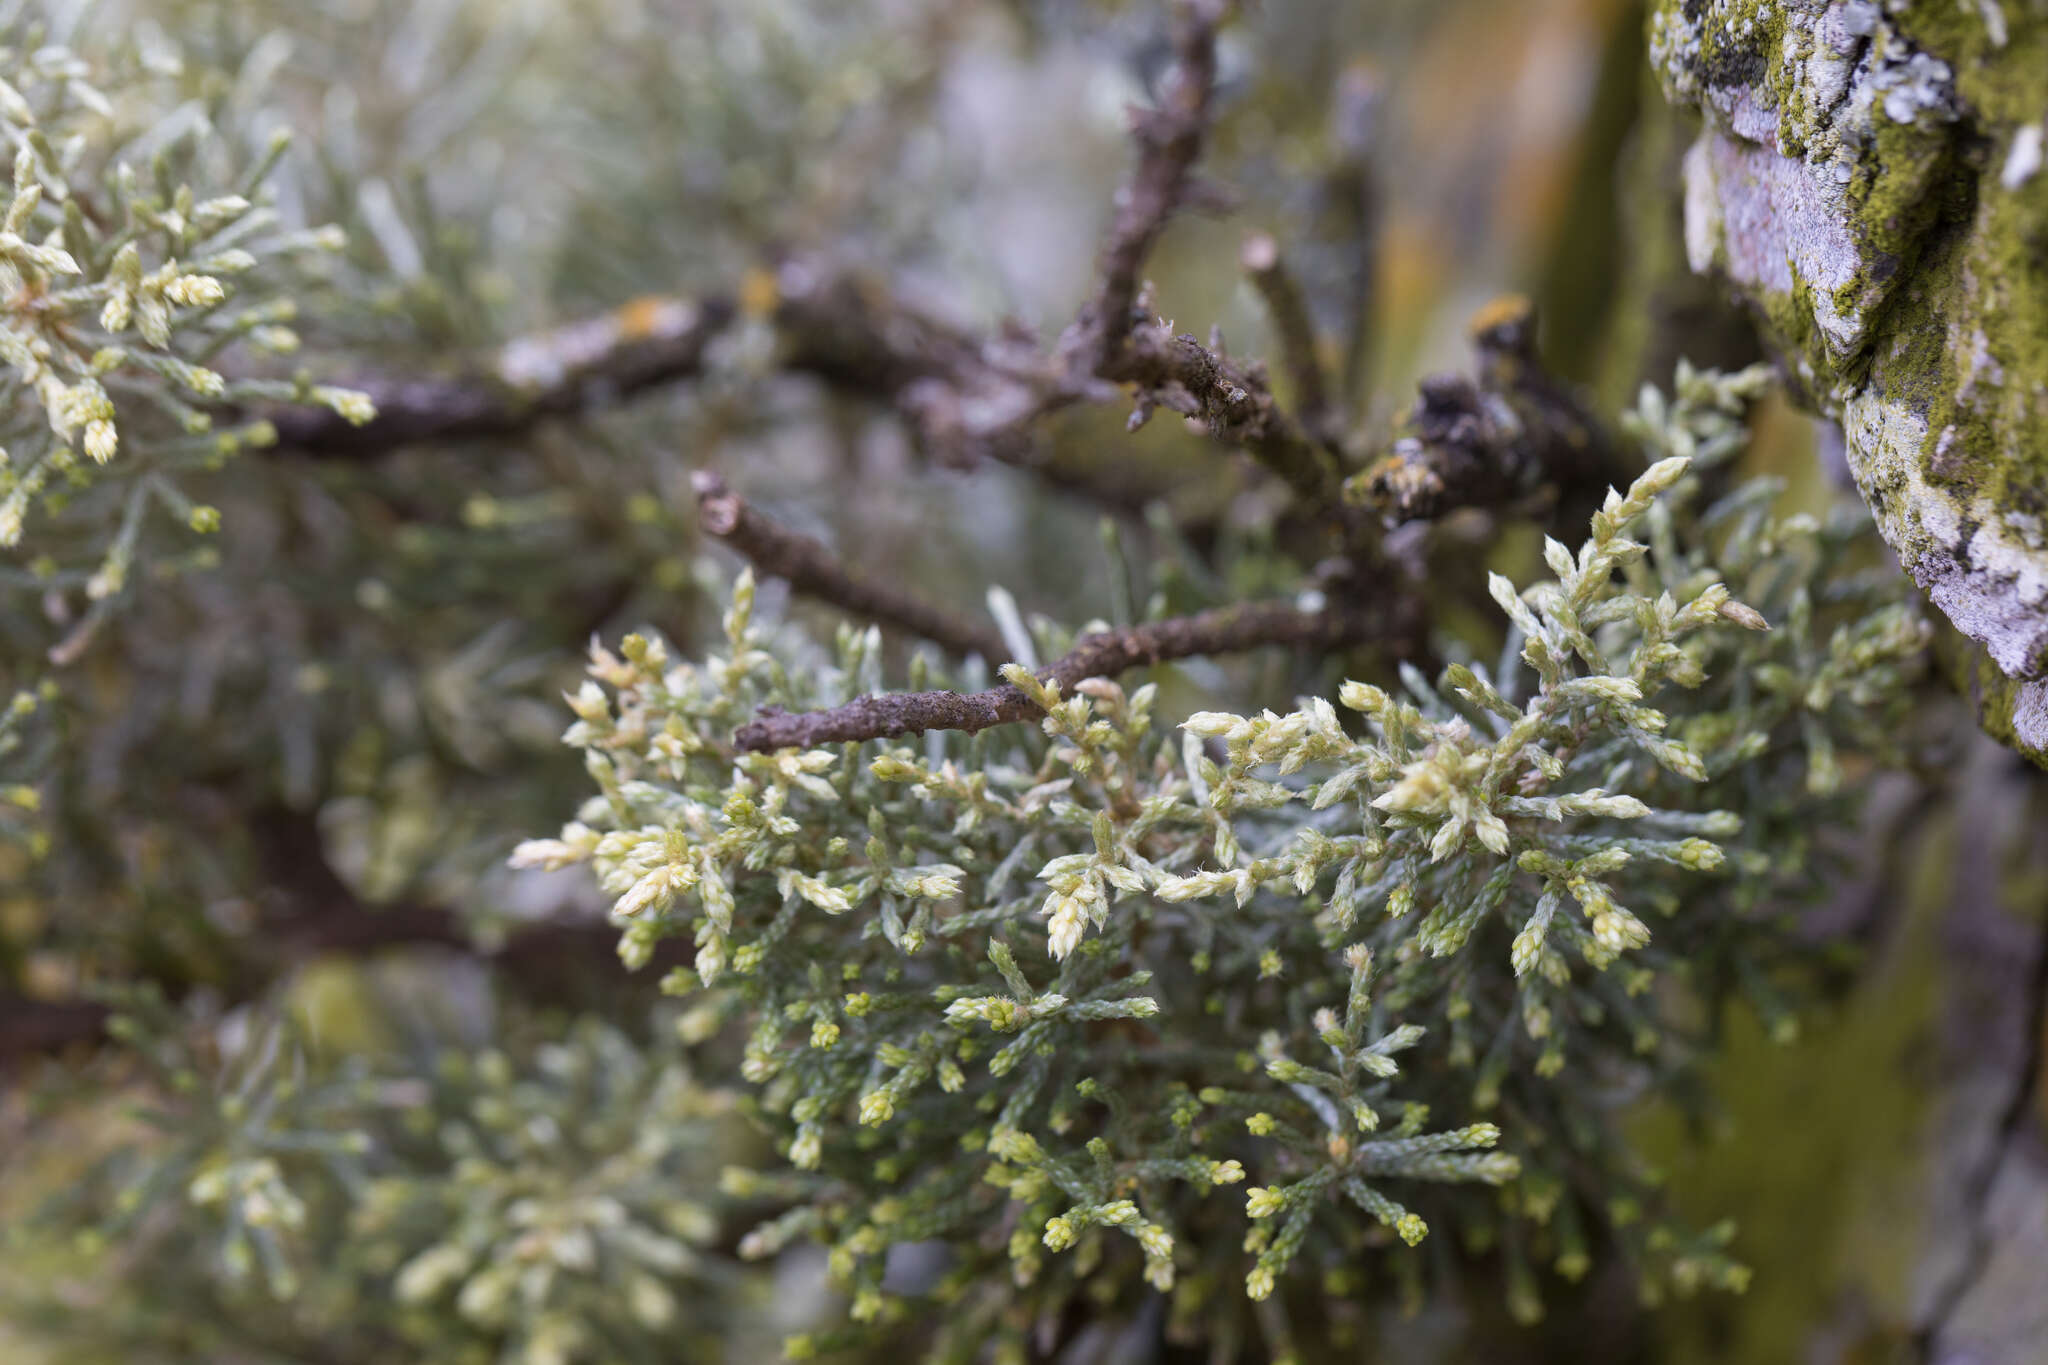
pixel 759 294
pixel 1508 310
pixel 641 318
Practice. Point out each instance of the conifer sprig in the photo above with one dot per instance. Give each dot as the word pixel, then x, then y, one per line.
pixel 1271 948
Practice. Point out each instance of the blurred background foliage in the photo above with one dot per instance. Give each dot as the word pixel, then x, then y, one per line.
pixel 281 783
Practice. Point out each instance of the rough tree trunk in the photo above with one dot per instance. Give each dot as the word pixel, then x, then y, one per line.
pixel 1872 179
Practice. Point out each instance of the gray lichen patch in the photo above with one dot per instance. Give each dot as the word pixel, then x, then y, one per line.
pixel 1869 179
pixel 1762 220
pixel 1980 563
pixel 1815 169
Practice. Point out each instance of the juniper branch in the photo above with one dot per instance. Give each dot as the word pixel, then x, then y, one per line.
pixel 811 568
pixel 1224 630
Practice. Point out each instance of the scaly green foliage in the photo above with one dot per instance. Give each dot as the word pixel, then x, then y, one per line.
pixel 1046 993
pixel 135 257
pixel 125 282
pixel 547 1204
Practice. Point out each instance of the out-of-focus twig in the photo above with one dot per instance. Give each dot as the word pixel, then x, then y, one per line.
pixel 1292 325
pixel 1350 192
pixel 584 365
pixel 966 397
pixel 28 1026
pixel 312 914
pixel 814 570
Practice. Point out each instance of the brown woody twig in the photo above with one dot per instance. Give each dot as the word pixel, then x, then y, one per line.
pixel 1169 142
pixel 1224 630
pixel 813 569
pixel 1231 401
pixel 1292 326
pixel 584 365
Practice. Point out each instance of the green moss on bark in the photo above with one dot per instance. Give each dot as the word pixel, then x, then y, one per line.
pixel 1875 193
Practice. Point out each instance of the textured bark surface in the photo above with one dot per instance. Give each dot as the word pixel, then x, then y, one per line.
pixel 1871 179
pixel 1979 1293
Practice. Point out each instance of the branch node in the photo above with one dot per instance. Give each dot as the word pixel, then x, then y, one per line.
pixel 1500 438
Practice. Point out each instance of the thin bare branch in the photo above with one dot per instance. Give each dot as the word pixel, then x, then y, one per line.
pixel 1224 630
pixel 1351 206
pixel 1293 327
pixel 814 570
pixel 1169 141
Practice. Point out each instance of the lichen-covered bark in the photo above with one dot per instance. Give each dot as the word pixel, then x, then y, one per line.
pixel 1871 178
